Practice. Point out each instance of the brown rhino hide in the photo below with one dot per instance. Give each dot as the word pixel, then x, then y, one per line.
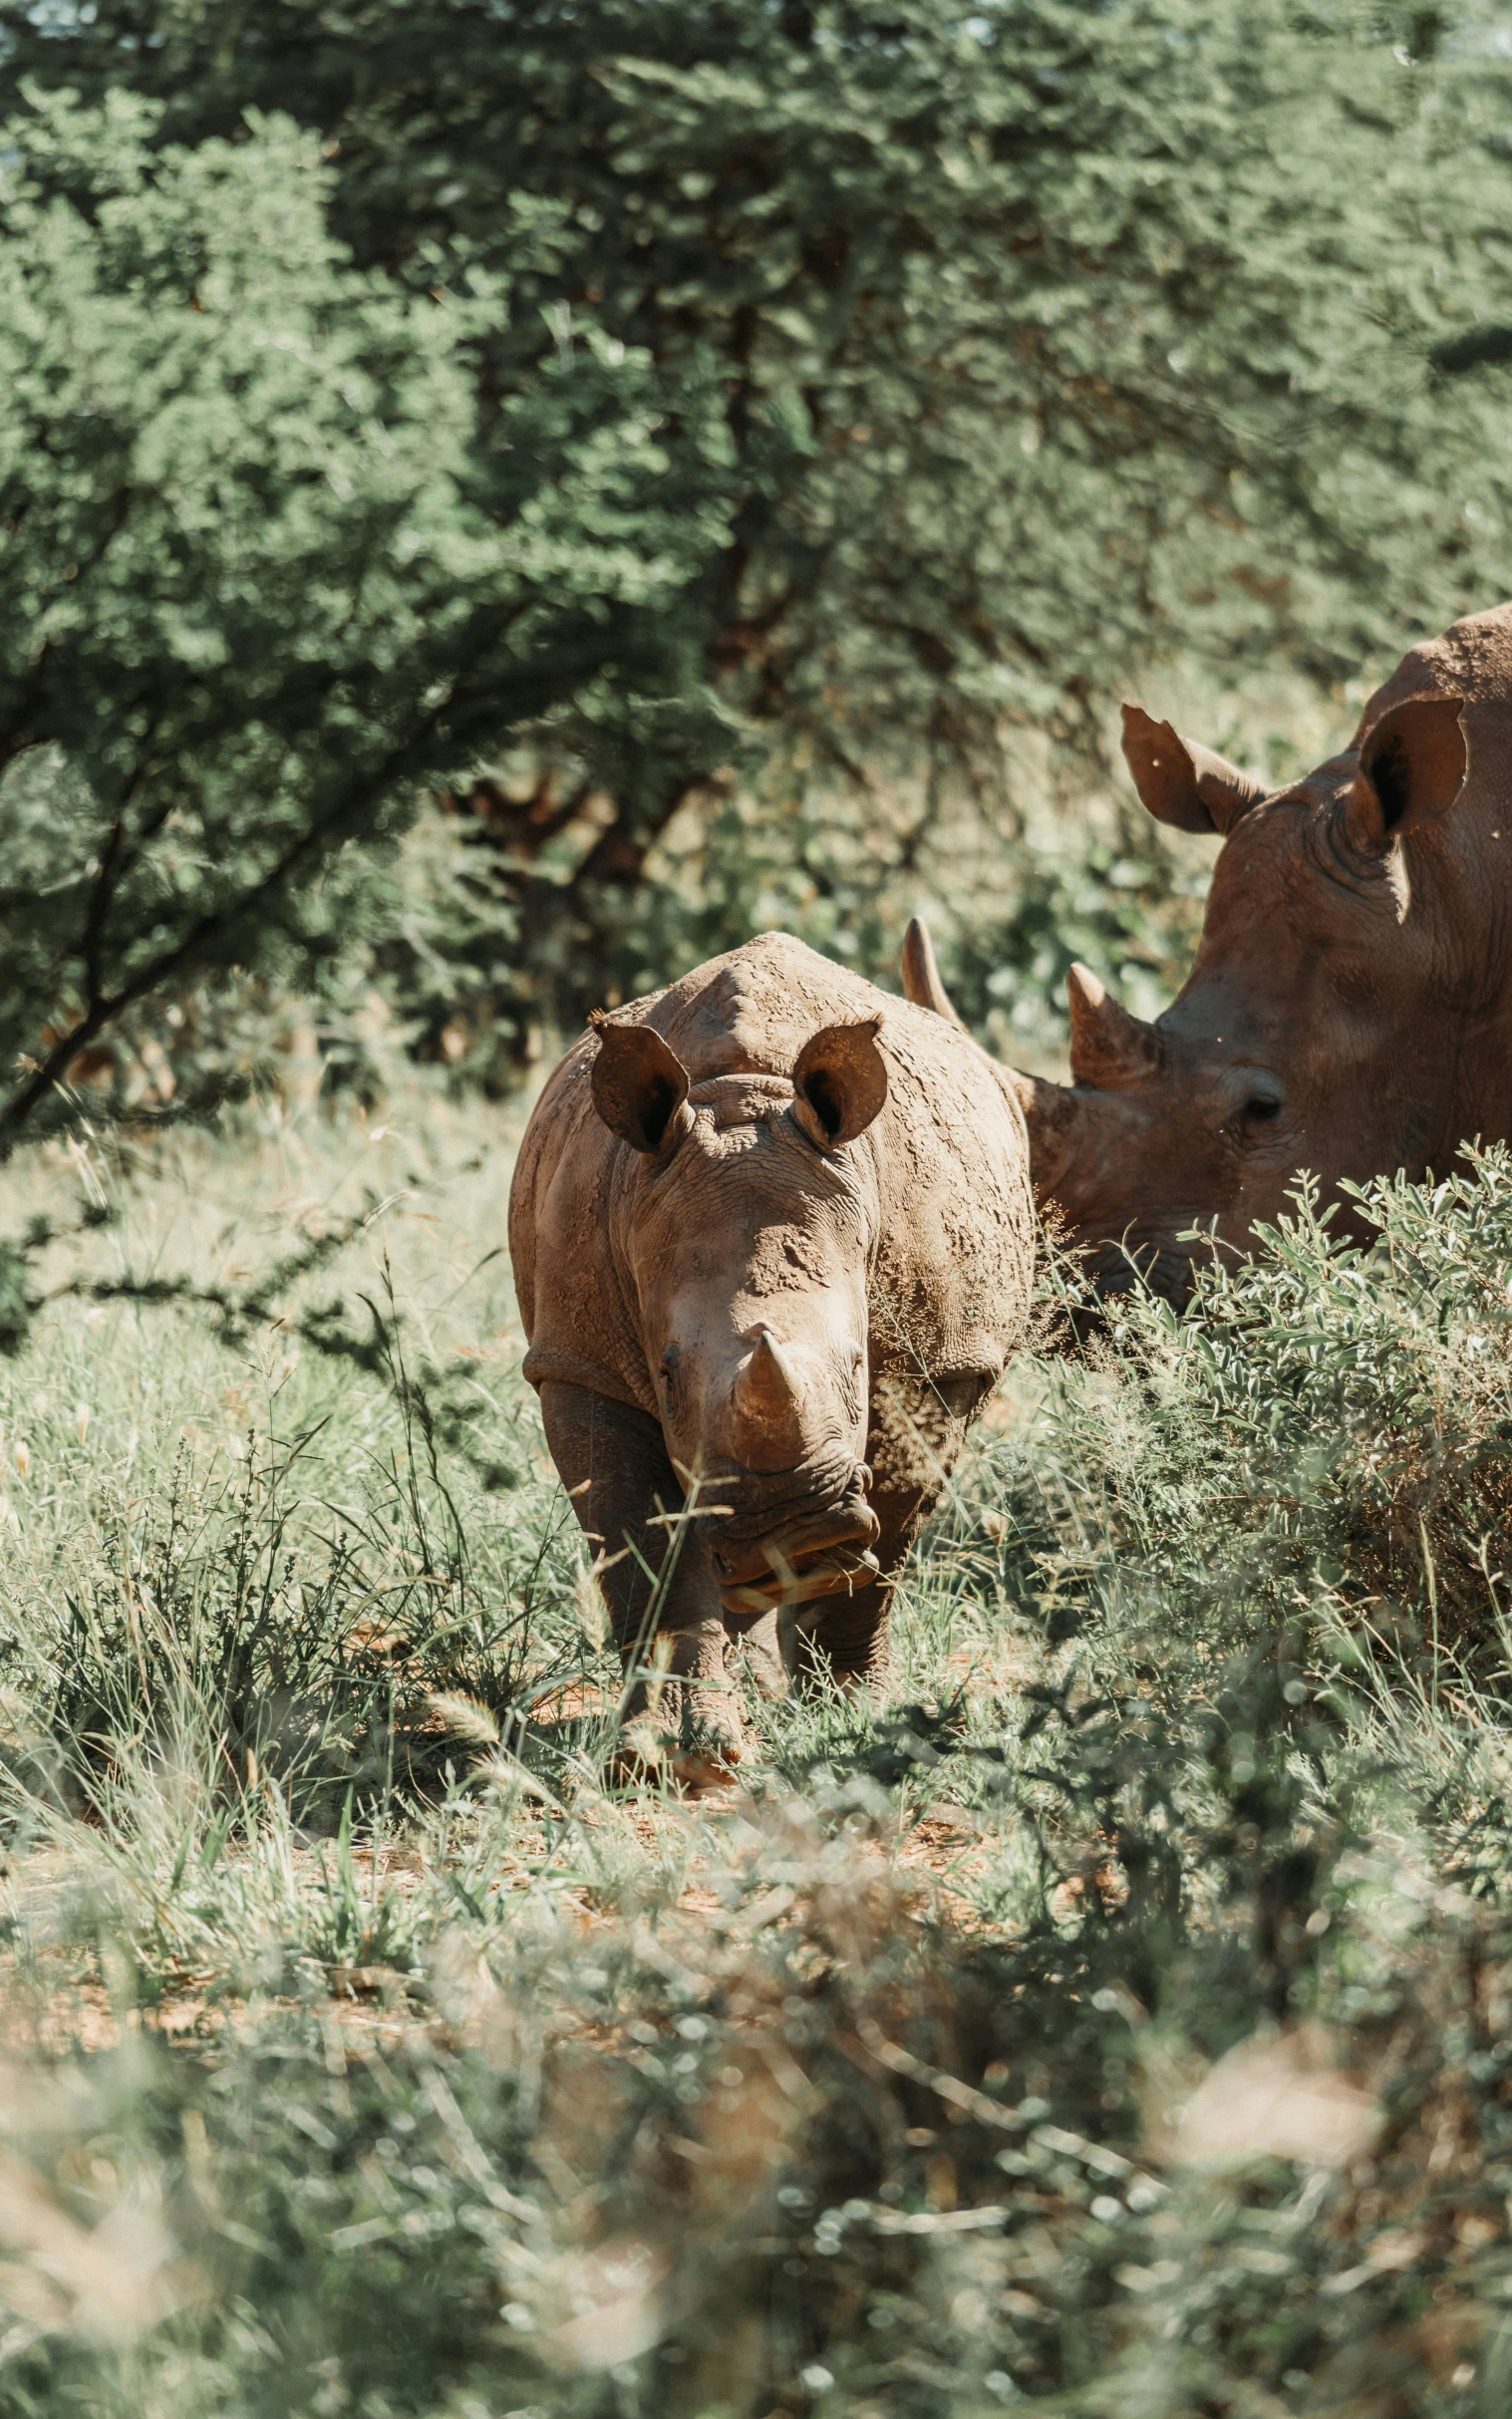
pixel 1350 1009
pixel 772 1240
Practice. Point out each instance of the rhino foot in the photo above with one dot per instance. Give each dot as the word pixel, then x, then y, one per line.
pixel 709 1747
pixel 700 1754
pixel 640 1754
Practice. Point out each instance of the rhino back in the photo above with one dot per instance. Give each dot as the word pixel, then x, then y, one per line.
pixel 1473 661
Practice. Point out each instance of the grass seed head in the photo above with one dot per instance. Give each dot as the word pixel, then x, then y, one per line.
pixel 465 1717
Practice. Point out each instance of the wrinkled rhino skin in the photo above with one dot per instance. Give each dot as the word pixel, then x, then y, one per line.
pixel 772 1241
pixel 1350 1008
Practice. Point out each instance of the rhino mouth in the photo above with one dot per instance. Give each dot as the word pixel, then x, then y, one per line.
pixel 1156 1266
pixel 822 1554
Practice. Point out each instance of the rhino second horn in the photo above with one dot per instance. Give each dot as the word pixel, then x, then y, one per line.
pixel 768 1416
pixel 1109 1047
pixel 921 976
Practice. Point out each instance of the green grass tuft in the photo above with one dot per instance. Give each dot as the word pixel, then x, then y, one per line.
pixel 1116 2018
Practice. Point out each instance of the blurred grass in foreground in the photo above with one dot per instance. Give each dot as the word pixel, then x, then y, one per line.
pixel 1116 2018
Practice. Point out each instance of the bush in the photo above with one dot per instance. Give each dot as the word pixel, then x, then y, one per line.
pixel 1320 1442
pixel 1118 2024
pixel 844 388
pixel 260 586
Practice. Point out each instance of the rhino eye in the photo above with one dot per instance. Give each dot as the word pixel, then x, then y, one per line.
pixel 1259 1109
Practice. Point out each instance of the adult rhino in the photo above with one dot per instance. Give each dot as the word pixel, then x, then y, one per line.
pixel 772 1239
pixel 1350 1009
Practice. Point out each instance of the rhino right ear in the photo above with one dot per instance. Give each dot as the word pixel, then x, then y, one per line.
pixel 639 1085
pixel 839 1083
pixel 1412 765
pixel 1184 783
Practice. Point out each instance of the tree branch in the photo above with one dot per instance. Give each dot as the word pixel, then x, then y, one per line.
pixel 101 1011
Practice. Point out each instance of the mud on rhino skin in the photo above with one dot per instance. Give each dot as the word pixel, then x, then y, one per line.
pixel 1350 1008
pixel 772 1240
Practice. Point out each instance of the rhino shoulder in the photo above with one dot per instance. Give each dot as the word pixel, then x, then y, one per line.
pixel 955 1262
pixel 572 1303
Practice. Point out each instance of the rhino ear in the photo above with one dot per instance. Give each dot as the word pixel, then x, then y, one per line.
pixel 1412 767
pixel 839 1082
pixel 1184 783
pixel 639 1085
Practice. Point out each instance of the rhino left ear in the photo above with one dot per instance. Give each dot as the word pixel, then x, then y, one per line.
pixel 1412 767
pixel 639 1085
pixel 1181 783
pixel 839 1082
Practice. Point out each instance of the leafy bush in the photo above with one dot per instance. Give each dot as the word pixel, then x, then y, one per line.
pixel 1115 2024
pixel 1321 1441
pixel 261 586
pixel 817 392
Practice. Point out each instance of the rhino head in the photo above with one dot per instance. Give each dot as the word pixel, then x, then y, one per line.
pixel 751 1226
pixel 1317 1026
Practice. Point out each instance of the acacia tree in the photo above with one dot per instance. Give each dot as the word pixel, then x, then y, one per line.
pixel 983 350
pixel 260 581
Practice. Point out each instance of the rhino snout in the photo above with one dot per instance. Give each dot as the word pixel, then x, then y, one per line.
pixel 785 1405
pixel 823 1552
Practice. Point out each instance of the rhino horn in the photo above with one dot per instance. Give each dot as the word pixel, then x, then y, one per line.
pixel 921 976
pixel 767 1411
pixel 1109 1047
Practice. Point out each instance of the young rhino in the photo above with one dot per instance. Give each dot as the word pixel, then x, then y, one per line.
pixel 772 1240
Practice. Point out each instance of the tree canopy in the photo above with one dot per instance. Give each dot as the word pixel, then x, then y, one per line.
pixel 261 581
pixel 876 374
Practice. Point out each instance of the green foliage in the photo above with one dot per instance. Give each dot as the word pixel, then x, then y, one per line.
pixel 262 583
pixel 957 233
pixel 1120 906
pixel 1322 1439
pixel 1118 2024
pixel 980 357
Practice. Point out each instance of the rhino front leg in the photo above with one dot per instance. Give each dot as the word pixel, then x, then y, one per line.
pixel 613 1462
pixel 916 1433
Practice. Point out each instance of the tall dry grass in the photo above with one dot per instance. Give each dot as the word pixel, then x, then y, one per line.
pixel 1114 2018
